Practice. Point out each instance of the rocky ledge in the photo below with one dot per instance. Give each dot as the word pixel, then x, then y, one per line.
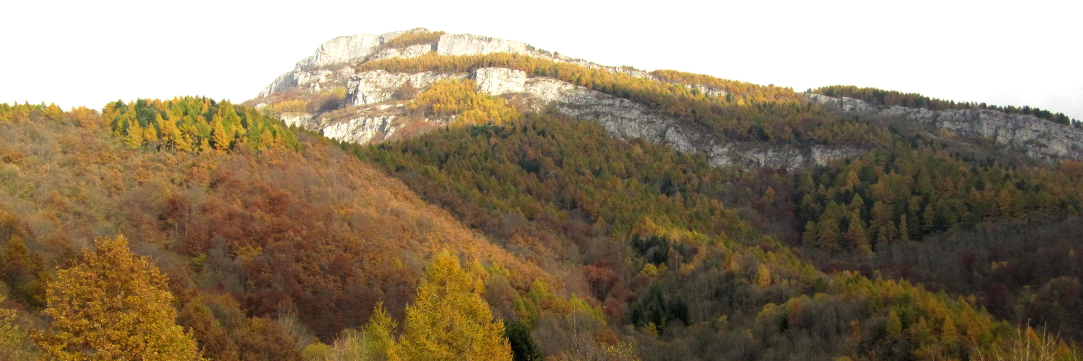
pixel 1030 135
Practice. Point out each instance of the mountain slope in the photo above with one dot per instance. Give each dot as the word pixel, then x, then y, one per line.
pixel 601 213
pixel 728 121
pixel 312 233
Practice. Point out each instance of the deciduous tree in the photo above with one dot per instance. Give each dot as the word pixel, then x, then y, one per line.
pixel 113 305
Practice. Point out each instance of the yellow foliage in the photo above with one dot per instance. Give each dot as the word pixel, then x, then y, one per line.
pixel 415 38
pixel 113 305
pixel 763 276
pixel 288 106
pixel 13 341
pixel 379 336
pixel 449 320
pixel 461 99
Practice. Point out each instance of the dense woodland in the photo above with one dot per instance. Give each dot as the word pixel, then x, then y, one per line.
pixel 914 100
pixel 266 251
pixel 521 235
pixel 686 293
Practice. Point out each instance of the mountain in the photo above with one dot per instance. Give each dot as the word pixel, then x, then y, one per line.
pixel 357 67
pixel 415 195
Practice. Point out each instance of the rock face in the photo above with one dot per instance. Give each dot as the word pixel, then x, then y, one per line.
pixel 1033 136
pixel 346 49
pixel 333 60
pixel 470 44
pixel 500 81
pixel 313 81
pixel 411 51
pixel 295 119
pixel 371 94
pixel 627 119
pixel 362 130
pixel 341 50
pixel 378 86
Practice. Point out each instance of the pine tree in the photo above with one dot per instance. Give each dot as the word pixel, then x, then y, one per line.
pixel 856 236
pixel 113 305
pixel 829 233
pixel 134 139
pixel 379 337
pixel 449 320
pixel 904 229
pixel 763 276
pixel 222 138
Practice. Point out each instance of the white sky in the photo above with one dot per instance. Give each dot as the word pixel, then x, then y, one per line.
pixel 91 52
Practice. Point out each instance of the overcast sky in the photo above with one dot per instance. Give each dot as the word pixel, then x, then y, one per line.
pixel 91 52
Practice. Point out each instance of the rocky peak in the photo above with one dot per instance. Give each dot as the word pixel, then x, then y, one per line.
pixel 345 49
pixel 370 110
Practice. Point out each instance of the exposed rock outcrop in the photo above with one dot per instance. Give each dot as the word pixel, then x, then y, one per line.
pixel 411 51
pixel 313 81
pixel 500 81
pixel 470 44
pixel 628 119
pixel 378 85
pixel 295 119
pixel 346 49
pixel 621 117
pixel 1035 137
pixel 342 53
pixel 362 130
pixel 341 50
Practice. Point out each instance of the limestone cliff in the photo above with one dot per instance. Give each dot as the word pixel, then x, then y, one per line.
pixel 367 112
pixel 628 119
pixel 1030 135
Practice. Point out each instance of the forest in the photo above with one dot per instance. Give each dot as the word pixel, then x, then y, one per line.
pixel 195 229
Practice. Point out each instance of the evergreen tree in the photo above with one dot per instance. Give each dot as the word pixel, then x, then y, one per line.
pixel 379 336
pixel 449 320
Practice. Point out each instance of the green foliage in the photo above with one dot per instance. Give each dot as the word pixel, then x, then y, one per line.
pixel 523 347
pixel 888 196
pixel 195 125
pixel 540 181
pixel 379 337
pixel 914 100
pixel 548 168
pixel 751 113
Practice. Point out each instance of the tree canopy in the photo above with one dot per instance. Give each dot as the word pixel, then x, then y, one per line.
pixel 113 305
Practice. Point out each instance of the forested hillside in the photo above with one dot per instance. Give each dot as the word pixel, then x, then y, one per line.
pixel 267 248
pixel 191 228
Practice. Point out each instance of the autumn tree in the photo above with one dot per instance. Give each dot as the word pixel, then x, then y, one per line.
pixel 14 343
pixel 113 305
pixel 449 320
